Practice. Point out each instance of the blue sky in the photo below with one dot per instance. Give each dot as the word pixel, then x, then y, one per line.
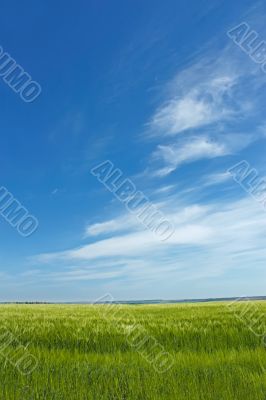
pixel 161 90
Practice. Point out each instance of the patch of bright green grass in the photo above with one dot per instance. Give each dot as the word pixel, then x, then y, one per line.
pixel 84 355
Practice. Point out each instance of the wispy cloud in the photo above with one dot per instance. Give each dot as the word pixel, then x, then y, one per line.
pixel 203 114
pixel 122 223
pixel 208 240
pixel 216 178
pixel 131 244
pixel 196 148
pixel 202 105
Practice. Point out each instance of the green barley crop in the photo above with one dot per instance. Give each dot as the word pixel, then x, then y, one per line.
pixel 83 353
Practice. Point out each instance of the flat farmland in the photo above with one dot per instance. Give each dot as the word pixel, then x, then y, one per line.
pixel 208 351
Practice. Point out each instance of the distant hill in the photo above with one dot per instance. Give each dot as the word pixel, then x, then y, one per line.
pixel 251 298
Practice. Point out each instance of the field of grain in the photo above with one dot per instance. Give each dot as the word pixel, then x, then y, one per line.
pixel 85 352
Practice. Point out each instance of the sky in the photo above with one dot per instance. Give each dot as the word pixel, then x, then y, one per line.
pixel 162 92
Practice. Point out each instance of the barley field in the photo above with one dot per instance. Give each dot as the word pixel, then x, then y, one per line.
pixel 185 351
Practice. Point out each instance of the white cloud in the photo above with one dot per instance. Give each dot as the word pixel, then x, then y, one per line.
pixel 196 103
pixel 122 223
pixel 164 189
pixel 113 225
pixel 207 241
pixel 197 148
pixel 203 100
pixel 131 244
pixel 217 178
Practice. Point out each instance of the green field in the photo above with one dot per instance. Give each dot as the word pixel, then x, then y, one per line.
pixel 98 352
